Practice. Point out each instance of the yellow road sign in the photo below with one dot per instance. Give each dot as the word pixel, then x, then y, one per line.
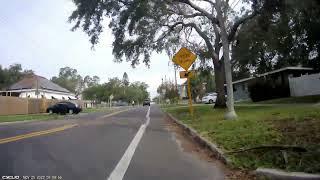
pixel 186 74
pixel 184 57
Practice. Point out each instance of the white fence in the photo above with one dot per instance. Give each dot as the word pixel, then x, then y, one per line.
pixel 305 85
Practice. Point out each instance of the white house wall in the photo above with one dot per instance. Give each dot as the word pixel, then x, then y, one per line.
pixel 47 95
pixel 305 85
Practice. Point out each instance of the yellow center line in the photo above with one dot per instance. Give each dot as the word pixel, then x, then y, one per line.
pixel 39 133
pixel 117 112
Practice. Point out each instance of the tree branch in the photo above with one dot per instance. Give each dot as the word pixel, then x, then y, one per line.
pixel 274 147
pixel 201 34
pixel 211 2
pixel 181 13
pixel 242 20
pixel 213 19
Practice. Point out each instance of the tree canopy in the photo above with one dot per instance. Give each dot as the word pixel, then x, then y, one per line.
pixel 136 91
pixel 289 37
pixel 72 81
pixel 141 27
pixel 12 74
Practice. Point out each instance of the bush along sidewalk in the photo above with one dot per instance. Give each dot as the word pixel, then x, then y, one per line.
pixel 286 138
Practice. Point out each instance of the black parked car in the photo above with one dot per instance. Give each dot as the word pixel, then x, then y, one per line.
pixel 146 102
pixel 64 108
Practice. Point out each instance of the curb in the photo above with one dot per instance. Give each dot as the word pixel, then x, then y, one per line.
pixel 282 175
pixel 218 153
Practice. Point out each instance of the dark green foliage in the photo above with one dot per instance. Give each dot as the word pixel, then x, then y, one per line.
pixel 69 79
pixel 285 35
pixel 137 17
pixel 72 81
pixel 168 90
pixel 136 91
pixel 202 82
pixel 11 75
pixel 125 79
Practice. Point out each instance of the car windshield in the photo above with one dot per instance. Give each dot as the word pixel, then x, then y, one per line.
pixel 210 94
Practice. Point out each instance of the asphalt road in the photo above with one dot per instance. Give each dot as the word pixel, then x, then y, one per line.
pixel 134 144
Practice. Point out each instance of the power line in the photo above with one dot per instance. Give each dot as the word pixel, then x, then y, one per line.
pixel 236 4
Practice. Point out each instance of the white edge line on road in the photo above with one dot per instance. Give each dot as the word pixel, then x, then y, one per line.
pixel 122 166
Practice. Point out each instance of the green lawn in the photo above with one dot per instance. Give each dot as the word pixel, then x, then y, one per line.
pixel 260 126
pixel 11 118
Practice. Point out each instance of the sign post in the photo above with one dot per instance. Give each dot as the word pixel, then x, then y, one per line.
pixel 185 58
pixel 110 100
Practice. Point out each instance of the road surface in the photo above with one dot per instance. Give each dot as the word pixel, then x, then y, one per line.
pixel 131 145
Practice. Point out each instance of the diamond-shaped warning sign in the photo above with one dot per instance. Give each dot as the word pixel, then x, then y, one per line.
pixel 184 57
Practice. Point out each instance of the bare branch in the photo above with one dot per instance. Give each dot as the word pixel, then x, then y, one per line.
pixel 181 13
pixel 242 20
pixel 201 34
pixel 211 2
pixel 205 38
pixel 213 19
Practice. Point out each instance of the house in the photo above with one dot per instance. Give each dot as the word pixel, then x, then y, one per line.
pixel 182 90
pixel 278 78
pixel 33 86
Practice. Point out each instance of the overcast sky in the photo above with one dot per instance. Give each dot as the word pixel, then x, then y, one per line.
pixel 36 34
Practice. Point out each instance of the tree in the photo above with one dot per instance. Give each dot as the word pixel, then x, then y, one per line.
pixel 125 79
pixel 69 79
pixel 141 27
pixel 168 90
pixel 289 38
pixel 136 91
pixel 90 81
pixel 11 75
pixel 202 82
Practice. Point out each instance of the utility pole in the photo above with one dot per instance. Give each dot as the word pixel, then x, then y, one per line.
pixel 37 89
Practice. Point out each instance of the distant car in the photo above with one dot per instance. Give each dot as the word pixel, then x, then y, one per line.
pixel 209 98
pixel 146 102
pixel 64 108
pixel 120 103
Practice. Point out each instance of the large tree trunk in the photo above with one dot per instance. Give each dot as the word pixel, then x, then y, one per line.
pixel 219 80
pixel 231 114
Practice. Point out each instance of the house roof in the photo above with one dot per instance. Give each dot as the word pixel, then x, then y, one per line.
pixel 34 81
pixel 272 72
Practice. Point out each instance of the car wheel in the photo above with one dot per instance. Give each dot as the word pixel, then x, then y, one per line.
pixel 50 111
pixel 210 101
pixel 70 111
